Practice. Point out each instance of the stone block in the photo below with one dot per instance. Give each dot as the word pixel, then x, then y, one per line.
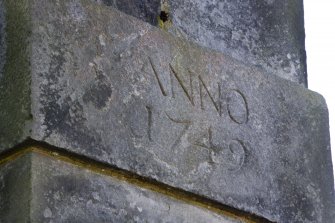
pixel 15 194
pixel 269 34
pixel 94 81
pixel 37 188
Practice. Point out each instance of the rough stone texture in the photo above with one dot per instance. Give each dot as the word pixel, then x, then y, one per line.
pixel 146 10
pixel 265 33
pixel 15 77
pixel 110 87
pixel 2 38
pixel 55 191
pixel 15 184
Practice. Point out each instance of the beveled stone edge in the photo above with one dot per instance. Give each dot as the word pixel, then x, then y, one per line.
pixel 31 146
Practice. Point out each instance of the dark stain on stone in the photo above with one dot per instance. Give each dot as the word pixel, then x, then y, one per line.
pixel 72 127
pixel 64 116
pixel 99 92
pixel 146 10
pixel 164 16
pixel 70 185
pixel 98 95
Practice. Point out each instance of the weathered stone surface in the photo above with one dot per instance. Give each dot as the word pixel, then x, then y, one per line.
pixel 110 87
pixel 15 75
pixel 36 188
pixel 15 184
pixel 146 10
pixel 269 34
pixel 2 38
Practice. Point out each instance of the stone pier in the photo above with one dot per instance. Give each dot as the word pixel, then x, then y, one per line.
pixel 153 117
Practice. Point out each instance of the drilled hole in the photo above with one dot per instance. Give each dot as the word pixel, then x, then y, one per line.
pixel 164 16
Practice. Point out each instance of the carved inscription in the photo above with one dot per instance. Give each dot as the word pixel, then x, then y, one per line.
pixel 186 125
pixel 141 122
pixel 160 84
pixel 230 153
pixel 205 140
pixel 149 126
pixel 236 155
pixel 203 90
pixel 231 156
pixel 188 92
pixel 237 107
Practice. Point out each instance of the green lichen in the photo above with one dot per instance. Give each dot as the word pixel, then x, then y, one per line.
pixel 15 81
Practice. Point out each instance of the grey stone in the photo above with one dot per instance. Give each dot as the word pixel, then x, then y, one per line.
pixel 15 181
pixel 146 10
pixel 2 38
pixel 15 75
pixel 269 34
pixel 105 85
pixel 56 191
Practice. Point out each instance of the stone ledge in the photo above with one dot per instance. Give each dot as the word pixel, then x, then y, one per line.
pixel 55 185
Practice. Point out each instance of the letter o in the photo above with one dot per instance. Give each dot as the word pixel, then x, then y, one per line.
pixel 237 107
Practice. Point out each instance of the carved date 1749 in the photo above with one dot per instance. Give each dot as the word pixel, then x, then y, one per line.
pixel 233 154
